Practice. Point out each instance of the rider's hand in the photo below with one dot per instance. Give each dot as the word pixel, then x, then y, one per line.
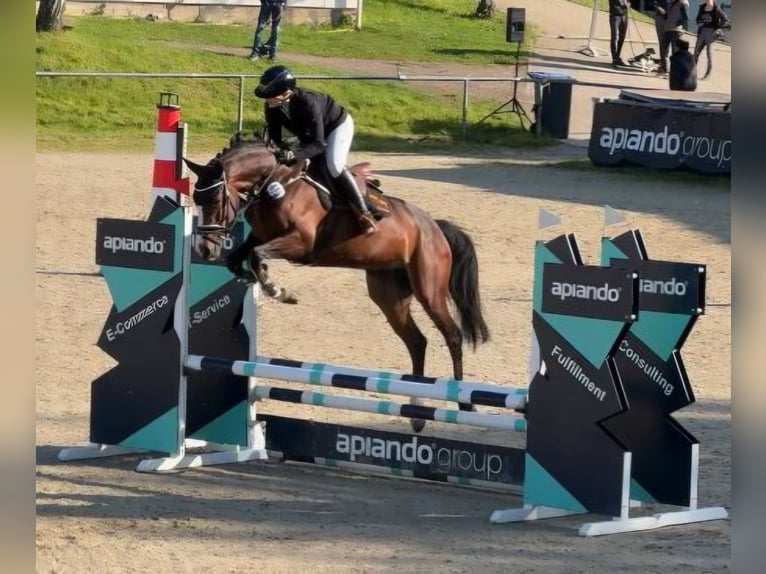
pixel 286 156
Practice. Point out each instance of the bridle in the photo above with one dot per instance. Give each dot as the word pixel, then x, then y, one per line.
pixel 215 230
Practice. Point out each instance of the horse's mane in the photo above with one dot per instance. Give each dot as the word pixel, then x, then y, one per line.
pixel 238 143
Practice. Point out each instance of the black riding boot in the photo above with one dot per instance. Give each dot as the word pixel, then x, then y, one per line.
pixel 347 183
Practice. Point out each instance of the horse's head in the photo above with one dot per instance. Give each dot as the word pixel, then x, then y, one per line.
pixel 217 208
pixel 223 186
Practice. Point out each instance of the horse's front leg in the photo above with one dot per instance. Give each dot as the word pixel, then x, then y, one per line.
pixel 246 264
pixel 261 272
pixel 292 246
pixel 236 258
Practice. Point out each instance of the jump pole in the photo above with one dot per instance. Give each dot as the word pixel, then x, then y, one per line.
pixel 485 394
pixel 482 420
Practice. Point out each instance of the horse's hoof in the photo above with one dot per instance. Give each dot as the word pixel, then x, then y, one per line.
pixel 290 299
pixel 417 424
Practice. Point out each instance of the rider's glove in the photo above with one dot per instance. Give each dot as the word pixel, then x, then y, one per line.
pixel 286 156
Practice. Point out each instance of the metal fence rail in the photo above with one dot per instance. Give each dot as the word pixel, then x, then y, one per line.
pixel 241 78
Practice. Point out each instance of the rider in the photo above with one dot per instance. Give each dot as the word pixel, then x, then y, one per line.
pixel 322 126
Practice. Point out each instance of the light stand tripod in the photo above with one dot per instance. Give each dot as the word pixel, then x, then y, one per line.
pixel 516 107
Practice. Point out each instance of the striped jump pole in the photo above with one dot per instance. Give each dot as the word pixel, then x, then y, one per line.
pixel 321 368
pixel 514 423
pixel 363 380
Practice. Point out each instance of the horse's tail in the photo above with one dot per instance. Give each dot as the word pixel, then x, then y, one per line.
pixel 464 283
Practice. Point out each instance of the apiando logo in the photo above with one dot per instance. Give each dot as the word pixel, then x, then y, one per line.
pixel 665 142
pixel 451 461
pixel 601 293
pixel 672 287
pixel 591 291
pixel 151 245
pixel 228 243
pixel 613 139
pixel 135 244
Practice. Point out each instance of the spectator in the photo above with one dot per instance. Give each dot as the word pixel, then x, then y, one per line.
pixel 660 19
pixel 683 70
pixel 675 23
pixel 710 19
pixel 618 28
pixel 270 10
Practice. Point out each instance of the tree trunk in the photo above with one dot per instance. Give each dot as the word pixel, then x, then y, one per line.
pixel 50 15
pixel 485 9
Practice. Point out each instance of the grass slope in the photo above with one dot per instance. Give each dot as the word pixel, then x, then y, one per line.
pixel 105 113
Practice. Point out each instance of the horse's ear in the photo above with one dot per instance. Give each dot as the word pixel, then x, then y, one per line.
pixel 196 168
pixel 216 167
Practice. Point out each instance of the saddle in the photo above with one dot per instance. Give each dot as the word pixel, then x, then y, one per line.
pixel 331 198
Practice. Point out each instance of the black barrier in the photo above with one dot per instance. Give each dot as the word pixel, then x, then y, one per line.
pixel 653 374
pixel 580 315
pixel 425 457
pixel 136 403
pixel 660 137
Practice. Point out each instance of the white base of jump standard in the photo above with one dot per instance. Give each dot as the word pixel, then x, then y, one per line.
pixel 224 453
pixel 616 525
pixel 653 522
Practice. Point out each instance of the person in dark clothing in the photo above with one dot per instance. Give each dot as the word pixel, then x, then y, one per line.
pixel 324 128
pixel 710 19
pixel 683 70
pixel 660 21
pixel 675 23
pixel 618 28
pixel 271 10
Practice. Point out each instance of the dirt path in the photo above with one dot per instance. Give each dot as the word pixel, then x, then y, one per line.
pixel 564 28
pixel 103 517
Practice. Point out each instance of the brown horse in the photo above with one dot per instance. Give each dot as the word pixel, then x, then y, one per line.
pixel 410 253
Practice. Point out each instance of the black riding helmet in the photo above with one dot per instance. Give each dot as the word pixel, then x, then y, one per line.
pixel 275 81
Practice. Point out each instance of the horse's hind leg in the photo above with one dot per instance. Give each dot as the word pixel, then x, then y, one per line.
pixel 392 293
pixel 430 284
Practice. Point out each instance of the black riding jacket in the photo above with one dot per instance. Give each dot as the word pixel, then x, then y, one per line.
pixel 309 116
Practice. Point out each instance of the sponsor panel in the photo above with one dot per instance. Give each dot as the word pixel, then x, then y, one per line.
pixel 668 286
pixel 135 244
pixel 589 291
pixel 660 137
pixel 426 457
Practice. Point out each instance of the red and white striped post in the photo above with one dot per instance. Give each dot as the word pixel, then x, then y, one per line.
pixel 169 178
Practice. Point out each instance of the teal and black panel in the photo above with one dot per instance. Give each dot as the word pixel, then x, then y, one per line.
pixel 217 404
pixel 672 295
pixel 580 314
pixel 136 403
